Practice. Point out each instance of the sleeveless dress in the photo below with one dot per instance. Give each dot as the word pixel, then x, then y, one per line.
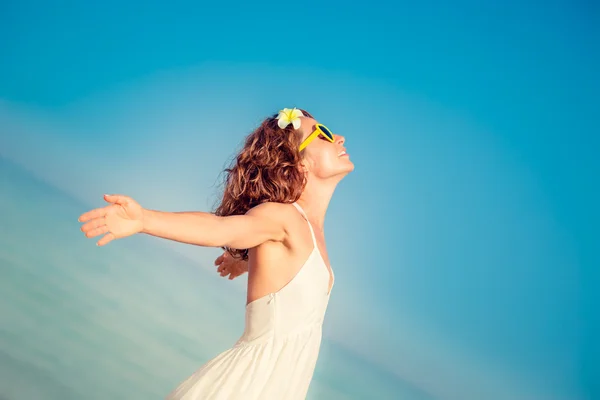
pixel 276 356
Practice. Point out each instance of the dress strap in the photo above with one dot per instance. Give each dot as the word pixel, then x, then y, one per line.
pixel 312 233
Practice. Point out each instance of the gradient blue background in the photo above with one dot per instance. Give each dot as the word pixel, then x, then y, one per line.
pixel 465 243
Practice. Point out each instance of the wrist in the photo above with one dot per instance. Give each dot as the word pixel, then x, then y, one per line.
pixel 146 220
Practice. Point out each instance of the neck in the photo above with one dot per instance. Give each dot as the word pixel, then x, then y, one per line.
pixel 315 200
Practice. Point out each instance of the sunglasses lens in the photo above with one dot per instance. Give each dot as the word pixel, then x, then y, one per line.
pixel 326 132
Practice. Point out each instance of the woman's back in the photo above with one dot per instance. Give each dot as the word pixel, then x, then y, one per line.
pixel 274 264
pixel 299 304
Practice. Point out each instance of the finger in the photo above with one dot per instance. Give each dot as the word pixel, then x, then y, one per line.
pixel 220 268
pixel 95 213
pixel 109 237
pixel 219 260
pixel 97 231
pixel 116 198
pixel 93 224
pixel 224 271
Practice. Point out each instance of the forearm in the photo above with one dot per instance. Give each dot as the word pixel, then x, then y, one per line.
pixel 198 228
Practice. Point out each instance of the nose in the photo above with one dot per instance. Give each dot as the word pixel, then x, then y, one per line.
pixel 339 139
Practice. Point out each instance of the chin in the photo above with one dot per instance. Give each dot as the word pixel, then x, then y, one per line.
pixel 349 167
pixel 336 172
pixel 346 169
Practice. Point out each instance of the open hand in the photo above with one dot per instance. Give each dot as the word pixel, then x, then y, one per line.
pixel 228 265
pixel 123 217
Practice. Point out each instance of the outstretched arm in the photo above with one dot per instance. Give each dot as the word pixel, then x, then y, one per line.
pixel 125 217
pixel 205 229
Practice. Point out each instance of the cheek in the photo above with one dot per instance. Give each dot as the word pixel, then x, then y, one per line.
pixel 326 162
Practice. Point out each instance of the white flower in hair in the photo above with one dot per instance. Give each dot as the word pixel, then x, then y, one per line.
pixel 289 116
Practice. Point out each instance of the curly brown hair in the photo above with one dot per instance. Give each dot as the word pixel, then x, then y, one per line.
pixel 267 169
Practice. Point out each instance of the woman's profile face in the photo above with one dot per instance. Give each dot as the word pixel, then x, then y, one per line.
pixel 323 158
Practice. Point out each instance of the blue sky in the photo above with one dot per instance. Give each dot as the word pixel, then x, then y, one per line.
pixel 464 243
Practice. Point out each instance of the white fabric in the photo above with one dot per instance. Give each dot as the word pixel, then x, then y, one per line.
pixel 276 356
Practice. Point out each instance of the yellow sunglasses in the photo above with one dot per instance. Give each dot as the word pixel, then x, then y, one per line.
pixel 320 129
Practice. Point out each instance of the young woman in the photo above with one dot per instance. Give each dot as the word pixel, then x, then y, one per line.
pixel 271 216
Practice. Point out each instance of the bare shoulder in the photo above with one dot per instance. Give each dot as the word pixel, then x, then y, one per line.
pixel 280 215
pixel 277 216
pixel 277 211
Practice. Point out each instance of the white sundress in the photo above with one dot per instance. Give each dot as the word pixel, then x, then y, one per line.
pixel 276 356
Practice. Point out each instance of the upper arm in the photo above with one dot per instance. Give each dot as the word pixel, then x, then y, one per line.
pixel 263 223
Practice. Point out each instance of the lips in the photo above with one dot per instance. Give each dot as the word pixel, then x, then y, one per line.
pixel 342 153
